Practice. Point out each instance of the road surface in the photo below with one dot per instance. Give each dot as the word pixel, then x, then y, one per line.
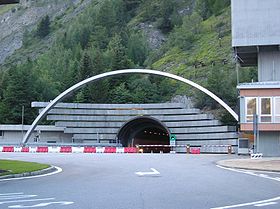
pixel 139 181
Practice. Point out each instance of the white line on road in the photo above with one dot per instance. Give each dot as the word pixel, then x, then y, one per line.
pixel 266 204
pixel 44 204
pixel 58 170
pixel 10 197
pixel 6 194
pixel 153 173
pixel 248 204
pixel 257 203
pixel 250 173
pixel 32 200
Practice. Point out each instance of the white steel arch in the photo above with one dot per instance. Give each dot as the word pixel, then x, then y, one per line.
pixel 118 72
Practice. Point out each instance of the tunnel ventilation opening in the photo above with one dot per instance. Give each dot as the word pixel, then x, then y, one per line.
pixel 145 131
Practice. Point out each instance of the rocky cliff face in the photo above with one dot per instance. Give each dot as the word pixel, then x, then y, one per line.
pixel 25 17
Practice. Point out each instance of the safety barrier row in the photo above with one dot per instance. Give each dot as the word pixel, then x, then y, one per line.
pixel 222 149
pixel 256 156
pixel 69 149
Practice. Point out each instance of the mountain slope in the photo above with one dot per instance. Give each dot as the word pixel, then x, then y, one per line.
pixel 86 38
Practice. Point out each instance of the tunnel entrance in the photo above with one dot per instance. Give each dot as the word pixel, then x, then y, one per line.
pixel 146 131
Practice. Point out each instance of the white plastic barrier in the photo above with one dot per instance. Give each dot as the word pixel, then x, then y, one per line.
pixel 1 148
pixel 77 149
pixel 256 156
pixel 17 149
pixel 100 149
pixel 54 149
pixel 32 149
pixel 120 150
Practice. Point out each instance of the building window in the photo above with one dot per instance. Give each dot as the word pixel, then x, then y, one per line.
pixel 277 109
pixel 265 110
pixel 1 133
pixel 251 107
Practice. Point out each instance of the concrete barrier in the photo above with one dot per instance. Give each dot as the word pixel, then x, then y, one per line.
pixel 100 149
pixel 54 149
pixel 256 156
pixel 120 150
pixel 77 149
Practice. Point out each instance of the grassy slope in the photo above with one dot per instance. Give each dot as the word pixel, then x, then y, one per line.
pixel 16 167
pixel 6 8
pixel 206 49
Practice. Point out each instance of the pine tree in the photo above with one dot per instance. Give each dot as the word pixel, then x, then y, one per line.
pixel 20 91
pixel 43 28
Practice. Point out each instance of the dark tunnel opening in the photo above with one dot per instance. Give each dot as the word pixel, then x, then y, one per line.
pixel 145 131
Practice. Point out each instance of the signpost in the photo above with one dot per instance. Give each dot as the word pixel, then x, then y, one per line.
pixel 172 139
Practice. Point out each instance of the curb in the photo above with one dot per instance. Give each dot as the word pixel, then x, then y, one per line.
pixel 33 173
pixel 250 169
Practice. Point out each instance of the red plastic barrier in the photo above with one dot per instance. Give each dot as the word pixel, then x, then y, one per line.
pixel 42 149
pixel 130 150
pixel 110 150
pixel 25 149
pixel 89 150
pixel 65 149
pixel 8 149
pixel 195 150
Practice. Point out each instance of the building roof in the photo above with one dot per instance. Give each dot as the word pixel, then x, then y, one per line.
pixel 9 127
pixel 260 85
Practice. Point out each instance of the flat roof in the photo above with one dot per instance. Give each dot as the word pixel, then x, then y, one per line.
pixel 16 127
pixel 260 85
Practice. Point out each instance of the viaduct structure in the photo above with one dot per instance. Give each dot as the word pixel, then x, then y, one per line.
pixel 139 124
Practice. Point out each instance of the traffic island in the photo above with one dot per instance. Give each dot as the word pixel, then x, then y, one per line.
pixel 15 169
pixel 264 164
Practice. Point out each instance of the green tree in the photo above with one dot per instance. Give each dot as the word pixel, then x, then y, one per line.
pixel 167 8
pixel 185 35
pixel 138 49
pixel 120 94
pixel 19 92
pixel 118 54
pixel 43 28
pixel 202 7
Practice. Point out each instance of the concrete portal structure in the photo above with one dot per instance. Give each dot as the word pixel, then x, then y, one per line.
pixel 144 124
pixel 119 72
pixel 256 41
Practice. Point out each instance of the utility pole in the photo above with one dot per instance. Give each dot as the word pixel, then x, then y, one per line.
pixel 22 120
pixel 256 133
pixel 237 72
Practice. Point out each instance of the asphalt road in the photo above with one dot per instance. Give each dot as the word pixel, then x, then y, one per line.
pixel 126 181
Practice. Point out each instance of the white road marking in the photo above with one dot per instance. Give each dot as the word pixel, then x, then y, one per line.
pixel 257 203
pixel 32 200
pixel 41 204
pixel 153 173
pixel 265 204
pixel 250 173
pixel 5 194
pixel 11 197
pixel 58 170
pixel 248 204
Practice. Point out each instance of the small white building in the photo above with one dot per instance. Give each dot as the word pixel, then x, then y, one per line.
pixel 13 134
